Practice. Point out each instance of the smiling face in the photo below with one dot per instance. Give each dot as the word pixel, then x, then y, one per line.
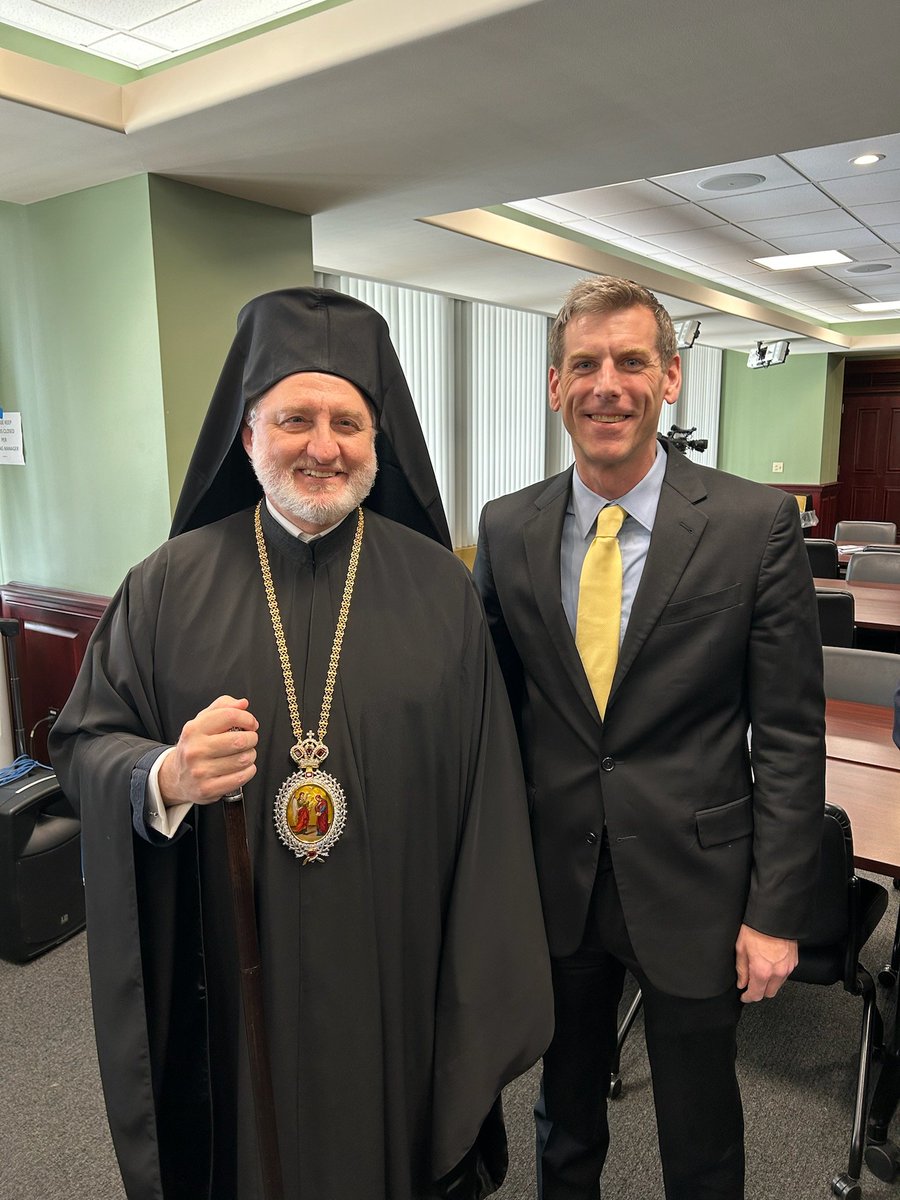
pixel 311 440
pixel 610 388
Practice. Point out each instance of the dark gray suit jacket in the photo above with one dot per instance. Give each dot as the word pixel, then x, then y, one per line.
pixel 723 635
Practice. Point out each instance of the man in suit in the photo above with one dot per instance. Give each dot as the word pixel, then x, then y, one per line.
pixel 664 845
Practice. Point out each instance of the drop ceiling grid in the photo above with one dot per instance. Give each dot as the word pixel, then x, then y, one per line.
pixel 717 235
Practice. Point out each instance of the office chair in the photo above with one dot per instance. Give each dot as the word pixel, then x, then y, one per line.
pixel 846 911
pixel 836 616
pixel 865 531
pixel 866 676
pixel 823 557
pixel 874 567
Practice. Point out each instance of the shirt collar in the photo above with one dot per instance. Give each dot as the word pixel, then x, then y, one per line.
pixel 293 529
pixel 640 503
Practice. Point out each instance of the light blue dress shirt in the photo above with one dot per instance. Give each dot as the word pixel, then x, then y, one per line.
pixel 579 526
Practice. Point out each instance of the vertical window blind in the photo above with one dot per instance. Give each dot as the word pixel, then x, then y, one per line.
pixel 698 404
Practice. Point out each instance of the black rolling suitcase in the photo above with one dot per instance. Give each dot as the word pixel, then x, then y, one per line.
pixel 41 890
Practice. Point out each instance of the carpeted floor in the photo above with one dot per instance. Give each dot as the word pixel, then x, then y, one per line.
pixel 796 1065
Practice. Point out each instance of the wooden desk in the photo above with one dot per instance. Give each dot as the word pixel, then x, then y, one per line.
pixel 862 733
pixel 877 605
pixel 870 796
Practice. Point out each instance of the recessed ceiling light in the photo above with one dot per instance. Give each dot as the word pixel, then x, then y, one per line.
pixel 868 268
pixel 866 160
pixel 795 262
pixel 731 183
pixel 878 306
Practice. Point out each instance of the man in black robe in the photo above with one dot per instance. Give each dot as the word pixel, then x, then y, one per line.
pixel 403 960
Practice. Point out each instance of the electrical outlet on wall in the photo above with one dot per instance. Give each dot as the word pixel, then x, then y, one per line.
pixel 778 468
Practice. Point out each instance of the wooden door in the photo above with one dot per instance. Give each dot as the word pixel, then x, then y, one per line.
pixel 869 458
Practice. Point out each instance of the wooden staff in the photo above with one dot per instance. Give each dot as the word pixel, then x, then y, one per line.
pixel 252 994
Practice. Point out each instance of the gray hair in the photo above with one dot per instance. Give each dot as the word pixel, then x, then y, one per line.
pixel 600 294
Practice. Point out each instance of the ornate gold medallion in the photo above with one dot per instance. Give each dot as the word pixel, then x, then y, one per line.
pixel 310 808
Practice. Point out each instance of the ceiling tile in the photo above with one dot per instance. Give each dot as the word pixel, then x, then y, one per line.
pixel 131 50
pixel 722 244
pixel 118 14
pixel 826 221
pixel 889 290
pixel 877 188
pixel 595 229
pixel 674 218
pixel 845 241
pixel 876 253
pixel 686 183
pixel 207 20
pixel 835 162
pixel 50 23
pixel 759 205
pixel 617 198
pixel 879 214
pixel 890 233
pixel 548 212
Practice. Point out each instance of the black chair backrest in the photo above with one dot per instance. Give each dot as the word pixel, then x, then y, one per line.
pixel 865 531
pixel 823 557
pixel 865 676
pixel 836 616
pixel 873 566
pixel 829 920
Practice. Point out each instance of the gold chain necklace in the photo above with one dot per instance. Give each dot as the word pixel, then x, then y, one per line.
pixel 310 808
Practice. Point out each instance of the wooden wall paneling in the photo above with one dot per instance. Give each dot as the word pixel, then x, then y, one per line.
pixel 824 501
pixel 54 629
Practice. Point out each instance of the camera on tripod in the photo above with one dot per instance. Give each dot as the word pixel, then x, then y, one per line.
pixel 681 439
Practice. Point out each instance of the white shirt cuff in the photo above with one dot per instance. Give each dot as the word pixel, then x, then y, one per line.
pixel 160 818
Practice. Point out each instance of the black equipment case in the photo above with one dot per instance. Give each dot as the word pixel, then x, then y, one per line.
pixel 41 889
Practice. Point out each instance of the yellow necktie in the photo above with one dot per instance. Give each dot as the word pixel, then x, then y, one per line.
pixel 600 605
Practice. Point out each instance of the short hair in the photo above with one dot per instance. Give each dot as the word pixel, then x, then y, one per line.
pixel 601 294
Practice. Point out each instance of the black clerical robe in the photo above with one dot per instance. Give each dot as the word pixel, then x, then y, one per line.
pixel 405 977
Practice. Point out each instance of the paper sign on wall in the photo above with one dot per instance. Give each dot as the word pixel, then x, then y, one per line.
pixel 11 448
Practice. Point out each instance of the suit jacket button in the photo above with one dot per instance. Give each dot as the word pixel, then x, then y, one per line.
pixel 607 764
pixel 591 838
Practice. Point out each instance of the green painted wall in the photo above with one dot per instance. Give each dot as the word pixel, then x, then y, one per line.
pixel 81 363
pixel 211 254
pixel 117 306
pixel 778 415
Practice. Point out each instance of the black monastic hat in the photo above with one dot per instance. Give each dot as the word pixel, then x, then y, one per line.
pixel 311 329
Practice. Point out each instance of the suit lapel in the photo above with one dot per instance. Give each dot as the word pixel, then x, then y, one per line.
pixel 677 530
pixel 542 535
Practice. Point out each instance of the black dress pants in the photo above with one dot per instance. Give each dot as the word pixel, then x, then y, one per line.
pixel 691 1045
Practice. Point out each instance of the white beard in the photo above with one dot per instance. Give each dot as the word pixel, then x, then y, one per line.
pixel 325 510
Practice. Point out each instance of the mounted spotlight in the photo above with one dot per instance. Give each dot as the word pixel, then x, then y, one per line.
pixel 768 356
pixel 686 333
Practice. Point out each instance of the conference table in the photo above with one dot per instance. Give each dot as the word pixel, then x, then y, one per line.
pixel 862 776
pixel 877 605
